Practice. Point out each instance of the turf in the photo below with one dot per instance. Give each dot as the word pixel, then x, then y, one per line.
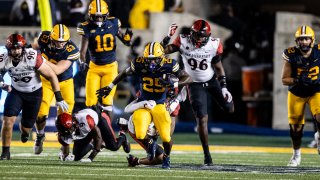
pixel 230 162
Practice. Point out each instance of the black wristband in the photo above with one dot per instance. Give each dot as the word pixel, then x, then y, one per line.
pixel 223 81
pixel 58 96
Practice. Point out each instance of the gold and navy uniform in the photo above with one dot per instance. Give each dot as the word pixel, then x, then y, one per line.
pixel 103 67
pixel 151 89
pixel 102 40
pixel 70 53
pixel 299 95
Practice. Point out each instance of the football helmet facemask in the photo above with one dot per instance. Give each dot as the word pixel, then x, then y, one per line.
pixel 65 124
pixel 153 56
pixel 302 34
pixel 15 41
pixel 200 33
pixel 98 12
pixel 59 36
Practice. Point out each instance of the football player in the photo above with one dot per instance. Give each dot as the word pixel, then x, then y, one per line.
pixel 82 129
pixel 300 73
pixel 99 37
pixel 151 69
pixel 24 66
pixel 60 52
pixel 201 56
pixel 84 126
pixel 173 107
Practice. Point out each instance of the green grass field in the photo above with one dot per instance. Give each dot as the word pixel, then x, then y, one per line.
pixel 235 157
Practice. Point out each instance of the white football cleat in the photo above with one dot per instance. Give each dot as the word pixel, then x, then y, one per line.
pixel 294 161
pixel 38 143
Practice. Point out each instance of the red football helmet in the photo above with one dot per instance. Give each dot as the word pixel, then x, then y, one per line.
pixel 15 41
pixel 200 33
pixel 65 124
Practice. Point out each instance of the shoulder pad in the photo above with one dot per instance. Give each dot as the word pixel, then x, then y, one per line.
pixel 44 38
pixel 289 51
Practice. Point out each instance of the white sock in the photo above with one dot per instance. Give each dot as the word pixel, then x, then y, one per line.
pixel 297 152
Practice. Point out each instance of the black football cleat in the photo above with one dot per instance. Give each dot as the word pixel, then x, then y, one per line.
pixel 208 160
pixel 132 161
pixel 125 143
pixel 5 156
pixel 24 137
pixel 166 162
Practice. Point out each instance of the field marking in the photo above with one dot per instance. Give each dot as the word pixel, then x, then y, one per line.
pixel 186 147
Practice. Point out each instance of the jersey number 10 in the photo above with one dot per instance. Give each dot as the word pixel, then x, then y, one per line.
pixel 104 43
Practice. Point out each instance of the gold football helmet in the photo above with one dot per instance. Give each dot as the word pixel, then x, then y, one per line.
pixel 98 11
pixel 59 36
pixel 153 55
pixel 60 33
pixel 304 32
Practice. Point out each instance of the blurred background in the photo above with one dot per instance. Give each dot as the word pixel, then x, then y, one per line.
pixel 254 35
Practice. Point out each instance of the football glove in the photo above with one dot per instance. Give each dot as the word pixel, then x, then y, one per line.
pixel 168 82
pixel 83 66
pixel 103 92
pixel 226 94
pixel 62 157
pixel 172 29
pixel 128 35
pixel 62 105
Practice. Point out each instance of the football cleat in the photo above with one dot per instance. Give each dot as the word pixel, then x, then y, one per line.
pixel 151 149
pixel 316 138
pixel 166 162
pixel 312 144
pixel 24 137
pixel 38 143
pixel 132 161
pixel 294 161
pixel 5 156
pixel 125 143
pixel 208 160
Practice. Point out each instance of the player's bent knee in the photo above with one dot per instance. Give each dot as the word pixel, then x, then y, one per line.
pixel 140 135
